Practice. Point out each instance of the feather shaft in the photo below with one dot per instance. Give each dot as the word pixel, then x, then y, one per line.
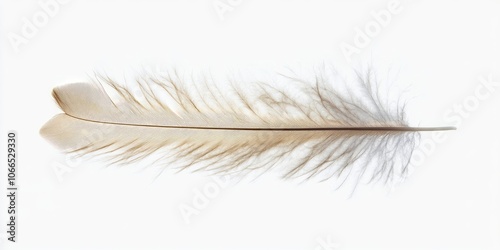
pixel 395 128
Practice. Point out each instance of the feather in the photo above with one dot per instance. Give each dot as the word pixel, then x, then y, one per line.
pixel 322 127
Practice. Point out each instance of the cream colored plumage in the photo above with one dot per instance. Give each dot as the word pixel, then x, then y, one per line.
pixel 321 129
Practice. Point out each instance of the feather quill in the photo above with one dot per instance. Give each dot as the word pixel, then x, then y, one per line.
pixel 322 128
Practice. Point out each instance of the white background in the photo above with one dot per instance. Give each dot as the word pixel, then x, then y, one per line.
pixel 440 48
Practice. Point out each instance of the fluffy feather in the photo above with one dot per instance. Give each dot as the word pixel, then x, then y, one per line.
pixel 321 128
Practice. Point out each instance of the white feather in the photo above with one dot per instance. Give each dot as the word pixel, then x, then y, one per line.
pixel 326 132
